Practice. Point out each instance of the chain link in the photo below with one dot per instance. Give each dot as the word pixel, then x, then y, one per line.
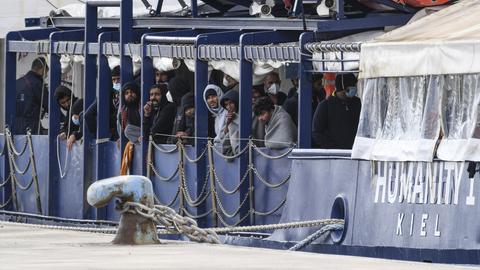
pixel 258 213
pixel 26 187
pixel 173 222
pixel 12 144
pixel 5 204
pixel 267 183
pixel 171 202
pixel 159 148
pixel 223 211
pixel 6 181
pixel 161 178
pixel 269 156
pixel 193 160
pixel 225 190
pixel 15 165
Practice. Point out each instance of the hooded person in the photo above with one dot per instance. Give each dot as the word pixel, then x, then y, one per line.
pixel 65 98
pixel 335 120
pixel 90 114
pixel 231 143
pixel 258 127
pixel 159 114
pixel 212 96
pixel 129 115
pixel 76 118
pixel 184 126
pixel 280 131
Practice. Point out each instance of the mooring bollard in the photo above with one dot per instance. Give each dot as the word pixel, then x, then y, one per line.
pixel 134 229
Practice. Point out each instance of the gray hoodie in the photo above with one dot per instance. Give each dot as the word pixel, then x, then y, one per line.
pixel 220 115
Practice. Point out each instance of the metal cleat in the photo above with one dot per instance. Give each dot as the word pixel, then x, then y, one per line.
pixel 134 229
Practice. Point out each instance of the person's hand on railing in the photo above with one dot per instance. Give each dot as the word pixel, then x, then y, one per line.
pixel 71 140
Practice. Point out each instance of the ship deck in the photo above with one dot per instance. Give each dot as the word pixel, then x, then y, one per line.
pixel 29 247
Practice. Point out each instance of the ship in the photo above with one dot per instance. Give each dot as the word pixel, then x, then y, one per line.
pixel 406 190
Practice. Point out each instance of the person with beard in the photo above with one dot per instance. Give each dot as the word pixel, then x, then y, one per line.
pixel 231 144
pixel 280 131
pixel 77 134
pixel 336 119
pixel 217 114
pixel 158 114
pixel 31 98
pixel 184 126
pixel 129 115
pixel 318 94
pixel 258 127
pixel 65 98
pixel 90 114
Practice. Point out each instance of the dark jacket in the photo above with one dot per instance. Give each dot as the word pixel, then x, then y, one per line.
pixel 29 105
pixel 291 105
pixel 335 123
pixel 90 117
pixel 129 115
pixel 160 121
pixel 183 122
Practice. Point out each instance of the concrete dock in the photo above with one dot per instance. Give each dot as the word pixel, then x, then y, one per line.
pixel 27 247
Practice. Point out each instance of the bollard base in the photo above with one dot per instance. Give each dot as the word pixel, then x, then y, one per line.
pixel 135 230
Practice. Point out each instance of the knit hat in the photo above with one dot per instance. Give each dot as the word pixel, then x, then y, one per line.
pixel 343 81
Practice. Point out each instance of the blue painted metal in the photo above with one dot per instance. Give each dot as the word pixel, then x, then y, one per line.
pixel 55 186
pixel 305 95
pixel 246 84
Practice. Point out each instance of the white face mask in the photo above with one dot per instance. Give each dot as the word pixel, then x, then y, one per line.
pixel 76 120
pixel 117 86
pixel 225 82
pixel 273 89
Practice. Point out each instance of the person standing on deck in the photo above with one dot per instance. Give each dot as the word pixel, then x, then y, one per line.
pixel 335 120
pixel 129 115
pixel 158 114
pixel 31 98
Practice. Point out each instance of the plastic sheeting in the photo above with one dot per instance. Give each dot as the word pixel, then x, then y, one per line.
pixel 403 118
pixel 446 42
pixel 400 119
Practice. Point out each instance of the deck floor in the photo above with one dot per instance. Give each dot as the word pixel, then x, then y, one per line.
pixel 26 247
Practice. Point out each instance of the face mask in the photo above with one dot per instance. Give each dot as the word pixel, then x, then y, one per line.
pixel 273 89
pixel 76 121
pixel 155 105
pixel 351 91
pixel 225 82
pixel 116 87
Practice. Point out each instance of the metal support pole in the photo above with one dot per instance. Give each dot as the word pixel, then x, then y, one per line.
pixel 54 115
pixel 103 97
pixel 245 110
pixel 305 94
pixel 194 7
pixel 201 110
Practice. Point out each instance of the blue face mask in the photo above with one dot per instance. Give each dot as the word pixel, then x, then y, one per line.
pixel 351 91
pixel 76 121
pixel 117 87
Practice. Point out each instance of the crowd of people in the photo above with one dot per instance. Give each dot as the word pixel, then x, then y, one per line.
pixel 169 113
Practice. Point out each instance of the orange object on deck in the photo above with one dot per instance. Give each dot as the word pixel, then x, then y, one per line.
pixel 127 159
pixel 329 83
pixel 422 3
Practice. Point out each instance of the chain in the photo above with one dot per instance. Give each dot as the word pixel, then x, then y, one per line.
pixel 20 185
pixel 12 145
pixel 307 241
pixel 167 217
pixel 159 148
pixel 15 165
pixel 223 211
pixel 5 182
pixel 171 202
pixel 229 226
pixel 190 215
pixel 267 183
pixel 5 204
pixel 66 228
pixel 193 160
pixel 230 157
pixel 222 187
pixel 164 179
pixel 258 213
pixel 272 157
pixel 201 197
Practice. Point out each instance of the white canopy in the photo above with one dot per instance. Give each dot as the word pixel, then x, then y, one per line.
pixel 446 42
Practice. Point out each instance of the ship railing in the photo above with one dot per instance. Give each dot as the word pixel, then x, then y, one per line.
pixel 214 188
pixel 334 57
